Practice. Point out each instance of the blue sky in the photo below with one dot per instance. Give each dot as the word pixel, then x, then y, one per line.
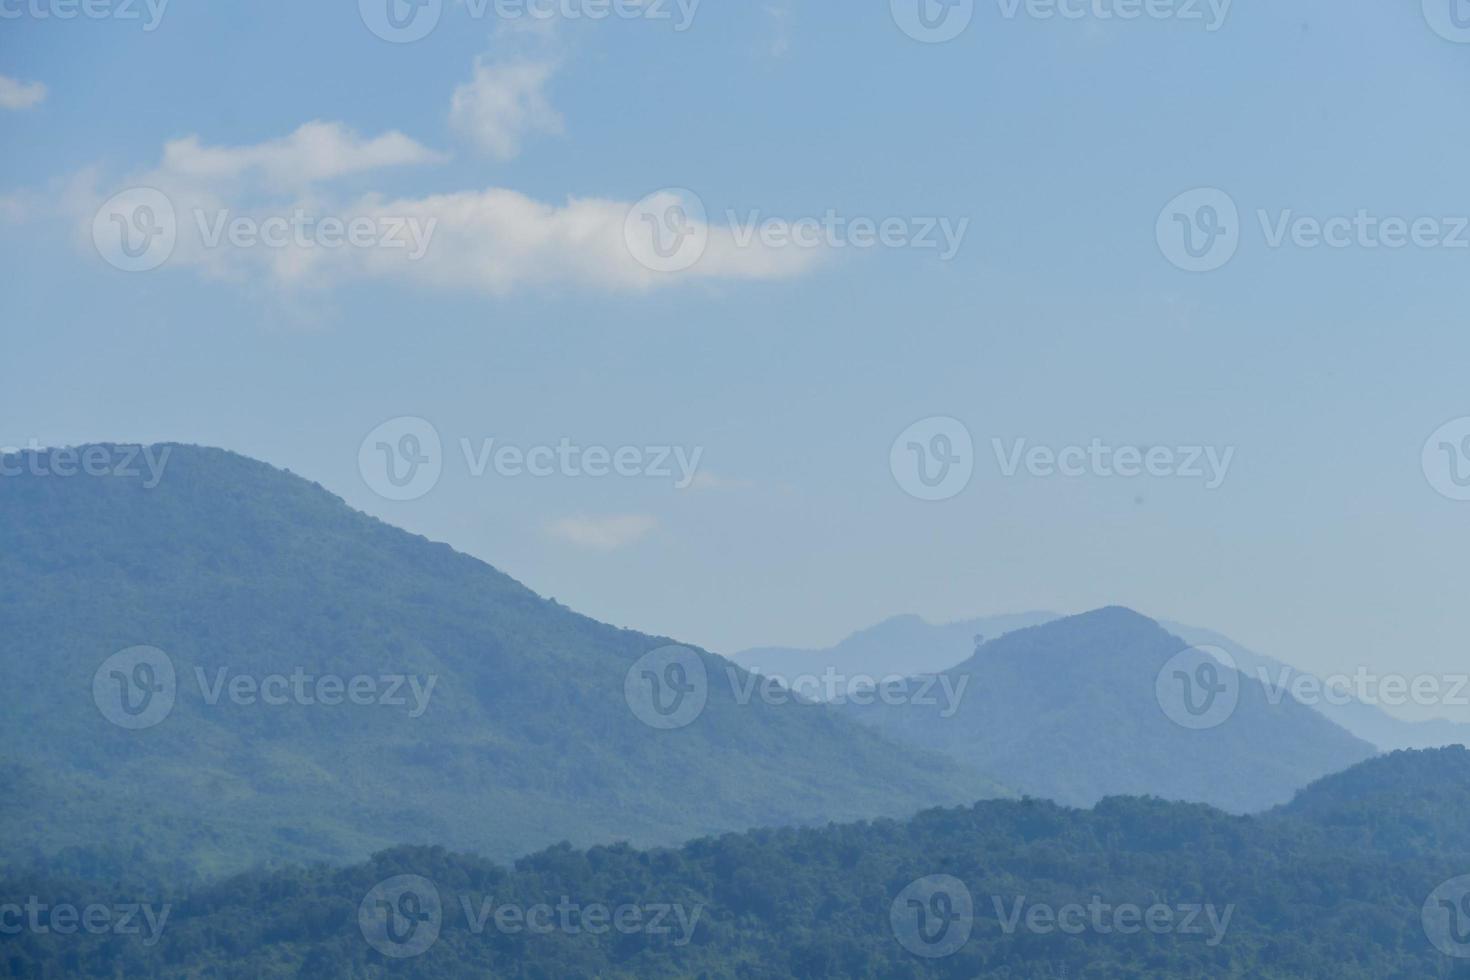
pixel 1060 320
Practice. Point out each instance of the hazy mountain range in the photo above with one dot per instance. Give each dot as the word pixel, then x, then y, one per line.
pixel 908 644
pixel 1073 711
pixel 485 717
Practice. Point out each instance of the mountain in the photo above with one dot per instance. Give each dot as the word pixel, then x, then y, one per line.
pixel 906 645
pixel 1099 704
pixel 1406 804
pixel 1001 890
pixel 300 681
pixel 901 645
pixel 1367 721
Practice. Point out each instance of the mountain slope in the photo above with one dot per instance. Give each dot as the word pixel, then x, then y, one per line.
pixel 1071 711
pixel 246 578
pixel 1369 722
pixel 1211 895
pixel 900 645
pixel 1406 804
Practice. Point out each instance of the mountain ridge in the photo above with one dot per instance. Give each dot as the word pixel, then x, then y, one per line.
pixel 233 569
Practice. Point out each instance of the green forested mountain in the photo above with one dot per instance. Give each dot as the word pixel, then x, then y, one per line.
pixel 1079 709
pixel 1132 888
pixel 247 578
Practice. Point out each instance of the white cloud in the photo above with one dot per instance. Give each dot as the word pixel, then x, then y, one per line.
pixel 316 151
pixel 603 533
pixel 493 241
pixel 15 94
pixel 497 240
pixel 503 104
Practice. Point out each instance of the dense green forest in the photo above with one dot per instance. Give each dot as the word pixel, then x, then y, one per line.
pixel 1334 886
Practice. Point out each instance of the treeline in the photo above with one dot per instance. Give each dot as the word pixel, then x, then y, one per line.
pixel 1346 883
